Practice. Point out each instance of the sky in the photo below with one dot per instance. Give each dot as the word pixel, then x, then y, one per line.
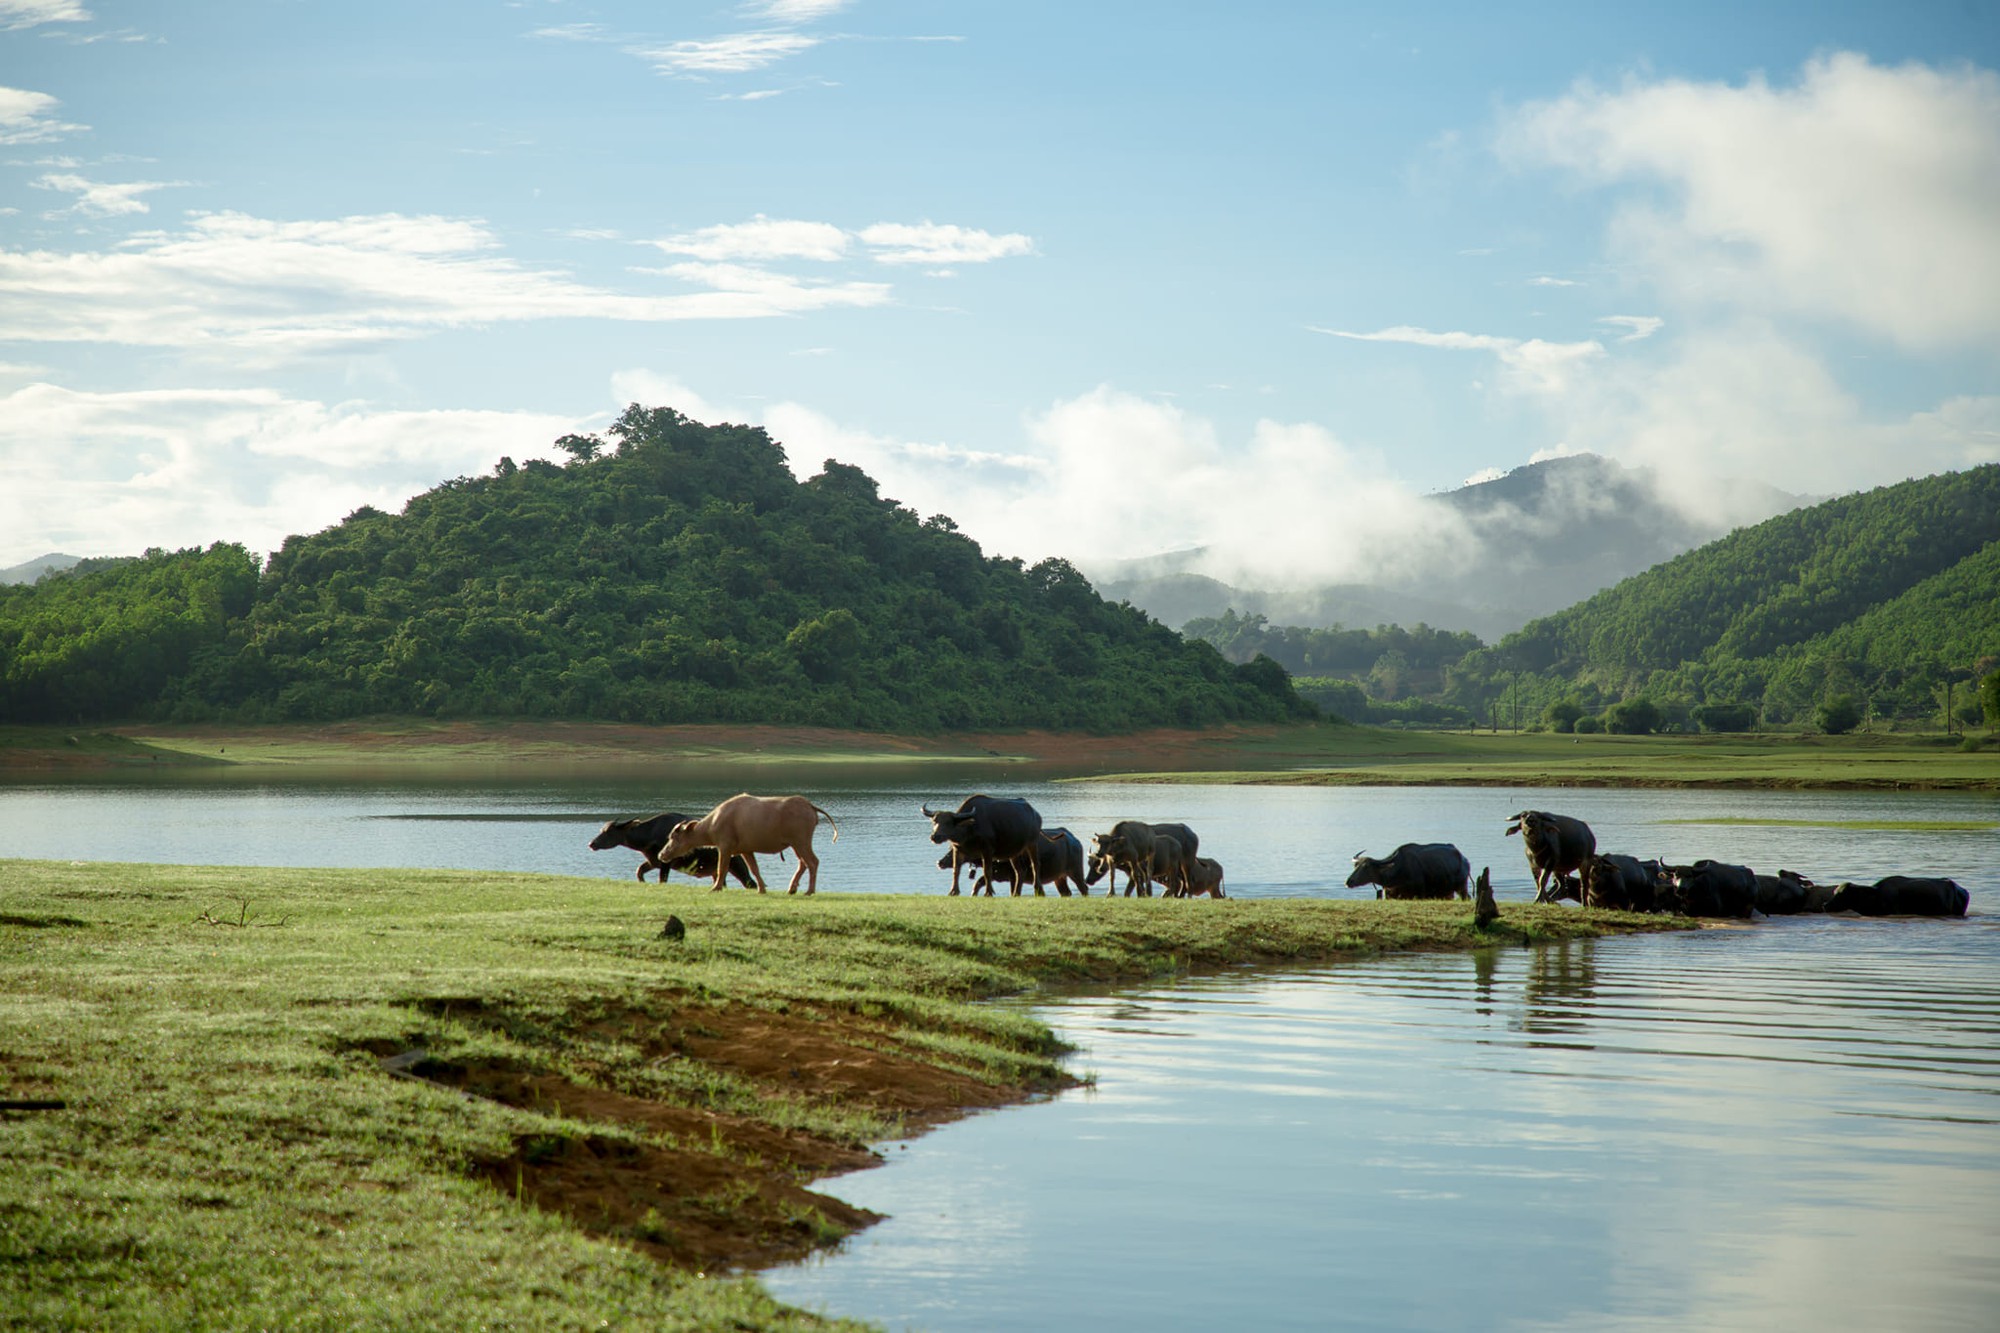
pixel 1099 281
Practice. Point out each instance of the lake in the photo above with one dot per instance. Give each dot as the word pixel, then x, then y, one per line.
pixel 1791 1124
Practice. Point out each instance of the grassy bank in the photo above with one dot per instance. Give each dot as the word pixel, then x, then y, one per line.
pixel 1369 757
pixel 1310 754
pixel 300 1098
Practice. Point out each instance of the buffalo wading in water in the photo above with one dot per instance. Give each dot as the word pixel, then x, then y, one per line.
pixel 1415 870
pixel 1127 847
pixel 987 830
pixel 1058 861
pixel 1618 883
pixel 648 837
pixel 1557 846
pixel 747 825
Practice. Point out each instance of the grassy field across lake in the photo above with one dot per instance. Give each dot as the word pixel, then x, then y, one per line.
pixel 1315 754
pixel 252 1098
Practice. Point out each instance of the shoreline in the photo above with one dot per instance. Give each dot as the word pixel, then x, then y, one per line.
pixel 549 1060
pixel 1323 754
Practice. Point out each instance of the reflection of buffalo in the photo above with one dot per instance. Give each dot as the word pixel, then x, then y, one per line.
pixel 1621 883
pixel 1415 870
pixel 649 836
pixel 1058 861
pixel 1901 895
pixel 1557 846
pixel 1710 888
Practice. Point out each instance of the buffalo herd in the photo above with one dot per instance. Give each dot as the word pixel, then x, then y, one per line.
pixel 1002 840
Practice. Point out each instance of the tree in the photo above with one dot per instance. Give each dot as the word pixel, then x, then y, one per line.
pixel 1989 698
pixel 1634 717
pixel 1839 714
pixel 1725 717
pixel 582 448
pixel 1562 715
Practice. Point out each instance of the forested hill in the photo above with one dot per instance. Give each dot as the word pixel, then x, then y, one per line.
pixel 1883 595
pixel 676 574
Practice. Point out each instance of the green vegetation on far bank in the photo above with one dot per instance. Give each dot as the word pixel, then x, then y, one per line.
pixel 1367 757
pixel 365 1098
pixel 1300 754
pixel 677 573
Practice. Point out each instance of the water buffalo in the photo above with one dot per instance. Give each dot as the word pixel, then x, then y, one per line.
pixel 1557 846
pixel 1710 888
pixel 1128 847
pixel 1788 894
pixel 1621 883
pixel 1415 870
pixel 1902 895
pixel 986 830
pixel 1058 861
pixel 746 825
pixel 648 836
pixel 1203 875
pixel 1170 863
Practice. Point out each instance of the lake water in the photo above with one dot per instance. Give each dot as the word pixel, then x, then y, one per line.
pixel 1794 1124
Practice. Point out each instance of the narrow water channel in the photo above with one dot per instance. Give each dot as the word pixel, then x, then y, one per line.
pixel 1791 1126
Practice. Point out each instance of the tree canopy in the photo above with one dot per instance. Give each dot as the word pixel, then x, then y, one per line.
pixel 674 573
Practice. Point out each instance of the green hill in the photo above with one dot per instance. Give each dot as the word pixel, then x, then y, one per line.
pixel 681 575
pixel 1884 595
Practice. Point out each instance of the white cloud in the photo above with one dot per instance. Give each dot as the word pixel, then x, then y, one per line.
pixel 28 117
pixel 1546 281
pixel 794 11
pixel 286 288
pixel 1863 193
pixel 935 243
pixel 99 199
pixel 30 13
pixel 1639 327
pixel 738 53
pixel 761 239
pixel 187 467
pixel 1528 365
pixel 765 240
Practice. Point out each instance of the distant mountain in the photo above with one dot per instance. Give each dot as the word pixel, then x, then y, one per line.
pixel 1885 594
pixel 1542 537
pixel 30 570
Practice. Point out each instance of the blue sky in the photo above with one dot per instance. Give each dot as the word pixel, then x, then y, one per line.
pixel 1096 280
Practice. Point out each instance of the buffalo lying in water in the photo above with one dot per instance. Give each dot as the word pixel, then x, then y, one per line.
pixel 1901 895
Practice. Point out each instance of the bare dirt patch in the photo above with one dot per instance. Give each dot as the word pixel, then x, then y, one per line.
pixel 703 1189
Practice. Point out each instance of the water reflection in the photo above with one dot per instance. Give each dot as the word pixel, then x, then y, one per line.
pixel 1737 1129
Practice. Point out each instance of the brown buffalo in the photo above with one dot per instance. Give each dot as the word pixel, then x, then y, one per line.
pixel 1203 874
pixel 746 825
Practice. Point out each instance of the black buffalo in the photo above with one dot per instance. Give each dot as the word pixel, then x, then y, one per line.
pixel 648 836
pixel 987 830
pixel 1058 861
pixel 1711 888
pixel 1127 847
pixel 1415 870
pixel 1788 894
pixel 1621 883
pixel 1203 875
pixel 1902 895
pixel 1557 846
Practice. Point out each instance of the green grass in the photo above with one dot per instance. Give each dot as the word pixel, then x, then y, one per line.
pixel 233 1154
pixel 1867 825
pixel 1363 756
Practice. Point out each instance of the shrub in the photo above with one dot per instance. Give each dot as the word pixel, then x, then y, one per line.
pixel 1838 715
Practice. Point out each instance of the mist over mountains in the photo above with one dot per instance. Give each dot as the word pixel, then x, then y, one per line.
pixel 1494 554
